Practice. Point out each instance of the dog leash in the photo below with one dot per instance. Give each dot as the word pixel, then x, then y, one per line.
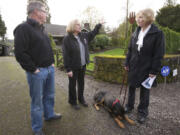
pixel 124 79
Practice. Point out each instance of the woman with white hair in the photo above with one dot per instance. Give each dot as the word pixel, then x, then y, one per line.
pixel 145 52
pixel 76 56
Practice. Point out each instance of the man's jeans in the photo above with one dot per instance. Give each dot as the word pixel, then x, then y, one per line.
pixel 41 86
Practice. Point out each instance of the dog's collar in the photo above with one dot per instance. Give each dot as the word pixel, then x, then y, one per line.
pixel 116 101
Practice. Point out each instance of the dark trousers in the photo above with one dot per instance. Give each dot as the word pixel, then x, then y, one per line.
pixel 144 100
pixel 78 76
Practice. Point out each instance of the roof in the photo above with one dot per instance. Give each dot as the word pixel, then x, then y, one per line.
pixel 85 30
pixel 1 45
pixel 55 30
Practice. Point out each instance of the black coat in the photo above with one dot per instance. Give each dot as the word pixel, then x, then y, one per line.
pixel 71 50
pixel 32 46
pixel 148 60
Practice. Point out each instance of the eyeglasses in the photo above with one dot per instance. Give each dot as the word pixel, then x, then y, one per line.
pixel 42 10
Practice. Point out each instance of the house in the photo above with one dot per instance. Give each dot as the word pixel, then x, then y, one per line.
pixel 57 31
pixel 86 27
pixel 4 49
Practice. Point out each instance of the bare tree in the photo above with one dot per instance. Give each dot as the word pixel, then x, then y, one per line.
pixel 170 2
pixel 92 16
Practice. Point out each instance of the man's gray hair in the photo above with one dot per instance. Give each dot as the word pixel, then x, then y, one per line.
pixel 34 5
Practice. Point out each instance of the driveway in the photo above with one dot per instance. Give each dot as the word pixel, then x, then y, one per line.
pixel 164 110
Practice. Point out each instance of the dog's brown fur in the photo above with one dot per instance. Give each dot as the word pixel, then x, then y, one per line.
pixel 113 106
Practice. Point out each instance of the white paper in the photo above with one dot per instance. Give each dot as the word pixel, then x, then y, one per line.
pixel 148 82
pixel 175 72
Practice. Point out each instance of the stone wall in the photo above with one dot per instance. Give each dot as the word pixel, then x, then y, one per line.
pixel 110 68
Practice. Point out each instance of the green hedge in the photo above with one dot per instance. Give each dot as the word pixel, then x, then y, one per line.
pixel 111 68
pixel 172 40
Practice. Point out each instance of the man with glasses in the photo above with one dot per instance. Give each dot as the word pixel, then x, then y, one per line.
pixel 34 53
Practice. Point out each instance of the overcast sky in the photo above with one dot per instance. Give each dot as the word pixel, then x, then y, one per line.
pixel 62 11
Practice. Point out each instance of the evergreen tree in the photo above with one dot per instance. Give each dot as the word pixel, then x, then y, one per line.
pixel 2 28
pixel 168 16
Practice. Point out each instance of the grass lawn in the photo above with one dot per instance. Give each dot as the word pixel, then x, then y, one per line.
pixel 113 52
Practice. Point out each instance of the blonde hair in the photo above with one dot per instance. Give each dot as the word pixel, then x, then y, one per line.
pixel 71 25
pixel 148 15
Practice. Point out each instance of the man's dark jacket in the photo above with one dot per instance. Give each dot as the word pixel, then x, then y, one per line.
pixel 148 60
pixel 32 46
pixel 71 50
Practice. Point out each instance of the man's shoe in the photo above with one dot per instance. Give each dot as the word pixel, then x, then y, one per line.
pixel 55 117
pixel 141 119
pixel 76 107
pixel 39 133
pixel 128 109
pixel 84 104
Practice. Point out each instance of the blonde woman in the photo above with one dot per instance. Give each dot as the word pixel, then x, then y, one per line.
pixel 145 52
pixel 76 56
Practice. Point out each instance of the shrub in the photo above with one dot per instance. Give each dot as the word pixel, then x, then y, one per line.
pixel 101 41
pixel 92 45
pixel 53 44
pixel 115 42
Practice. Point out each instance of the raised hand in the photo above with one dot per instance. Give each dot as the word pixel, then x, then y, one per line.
pixel 132 17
